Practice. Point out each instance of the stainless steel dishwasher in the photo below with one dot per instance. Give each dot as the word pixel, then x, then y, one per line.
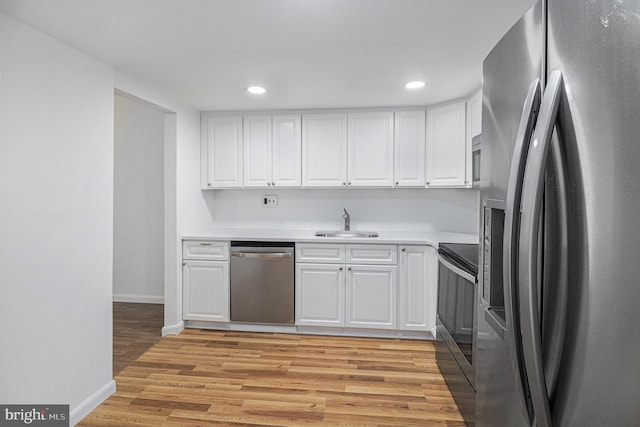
pixel 262 282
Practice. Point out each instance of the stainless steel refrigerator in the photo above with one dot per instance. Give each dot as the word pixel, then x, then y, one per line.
pixel 558 315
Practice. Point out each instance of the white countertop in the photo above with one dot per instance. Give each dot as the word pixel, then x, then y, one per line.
pixel 432 238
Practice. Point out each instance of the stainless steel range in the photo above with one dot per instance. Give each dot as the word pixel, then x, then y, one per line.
pixel 457 279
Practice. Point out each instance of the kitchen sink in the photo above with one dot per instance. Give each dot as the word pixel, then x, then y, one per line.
pixel 346 234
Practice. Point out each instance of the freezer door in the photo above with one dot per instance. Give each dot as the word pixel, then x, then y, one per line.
pixel 596 46
pixel 509 72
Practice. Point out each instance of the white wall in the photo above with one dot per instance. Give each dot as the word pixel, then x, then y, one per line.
pixel 138 228
pixel 370 209
pixel 56 230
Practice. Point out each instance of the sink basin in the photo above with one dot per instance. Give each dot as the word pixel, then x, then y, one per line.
pixel 346 234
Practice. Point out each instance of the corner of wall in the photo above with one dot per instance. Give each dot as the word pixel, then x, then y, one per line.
pixel 91 402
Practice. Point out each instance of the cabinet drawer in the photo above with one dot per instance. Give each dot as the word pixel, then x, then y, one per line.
pixel 320 253
pixel 372 254
pixel 205 250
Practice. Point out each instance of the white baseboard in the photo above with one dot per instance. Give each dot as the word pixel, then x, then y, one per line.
pixel 144 299
pixel 91 403
pixel 173 329
pixel 314 330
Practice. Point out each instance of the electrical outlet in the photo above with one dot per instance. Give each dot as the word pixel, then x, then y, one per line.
pixel 270 201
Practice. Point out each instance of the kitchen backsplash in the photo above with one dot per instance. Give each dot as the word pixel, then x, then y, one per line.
pixel 453 210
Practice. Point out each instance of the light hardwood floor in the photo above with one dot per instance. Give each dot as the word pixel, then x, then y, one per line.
pixel 204 377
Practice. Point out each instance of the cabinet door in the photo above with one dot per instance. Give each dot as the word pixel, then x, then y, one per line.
pixel 324 150
pixel 418 287
pixel 223 145
pixel 319 295
pixel 287 151
pixel 371 296
pixel 257 151
pixel 205 286
pixel 409 170
pixel 446 146
pixel 474 114
pixel 370 154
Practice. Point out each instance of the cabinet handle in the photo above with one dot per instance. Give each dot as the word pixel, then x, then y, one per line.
pixel 404 249
pixel 205 244
pixel 208 184
pixel 273 183
pixel 340 268
pixel 344 183
pixel 349 183
pixel 349 268
pixel 397 182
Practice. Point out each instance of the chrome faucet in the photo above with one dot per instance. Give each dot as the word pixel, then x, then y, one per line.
pixel 347 221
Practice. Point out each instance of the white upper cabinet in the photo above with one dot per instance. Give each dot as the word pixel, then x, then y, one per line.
pixel 474 114
pixel 446 146
pixel 324 150
pixel 409 169
pixel 221 154
pixel 287 151
pixel 272 148
pixel 474 128
pixel 370 153
pixel 257 151
pixel 405 148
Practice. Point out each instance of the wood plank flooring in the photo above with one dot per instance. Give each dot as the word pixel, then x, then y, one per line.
pixel 136 328
pixel 201 378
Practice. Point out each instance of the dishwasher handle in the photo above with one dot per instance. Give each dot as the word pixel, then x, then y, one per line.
pixel 262 254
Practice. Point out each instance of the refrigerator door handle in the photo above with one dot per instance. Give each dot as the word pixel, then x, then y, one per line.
pixel 532 192
pixel 511 225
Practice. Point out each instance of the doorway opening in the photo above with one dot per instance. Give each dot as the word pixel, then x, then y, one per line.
pixel 143 223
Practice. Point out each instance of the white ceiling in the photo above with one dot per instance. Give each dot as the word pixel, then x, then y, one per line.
pixel 307 53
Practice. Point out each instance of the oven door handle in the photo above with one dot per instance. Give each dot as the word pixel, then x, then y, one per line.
pixel 456 270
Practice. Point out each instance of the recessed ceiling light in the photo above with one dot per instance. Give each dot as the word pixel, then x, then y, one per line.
pixel 415 85
pixel 256 90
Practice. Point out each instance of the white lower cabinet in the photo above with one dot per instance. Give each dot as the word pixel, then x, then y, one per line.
pixel 206 290
pixel 418 267
pixel 319 295
pixel 371 296
pixel 341 294
pixel 205 281
pixel 359 286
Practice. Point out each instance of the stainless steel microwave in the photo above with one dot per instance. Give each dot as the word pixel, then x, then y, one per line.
pixel 476 143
